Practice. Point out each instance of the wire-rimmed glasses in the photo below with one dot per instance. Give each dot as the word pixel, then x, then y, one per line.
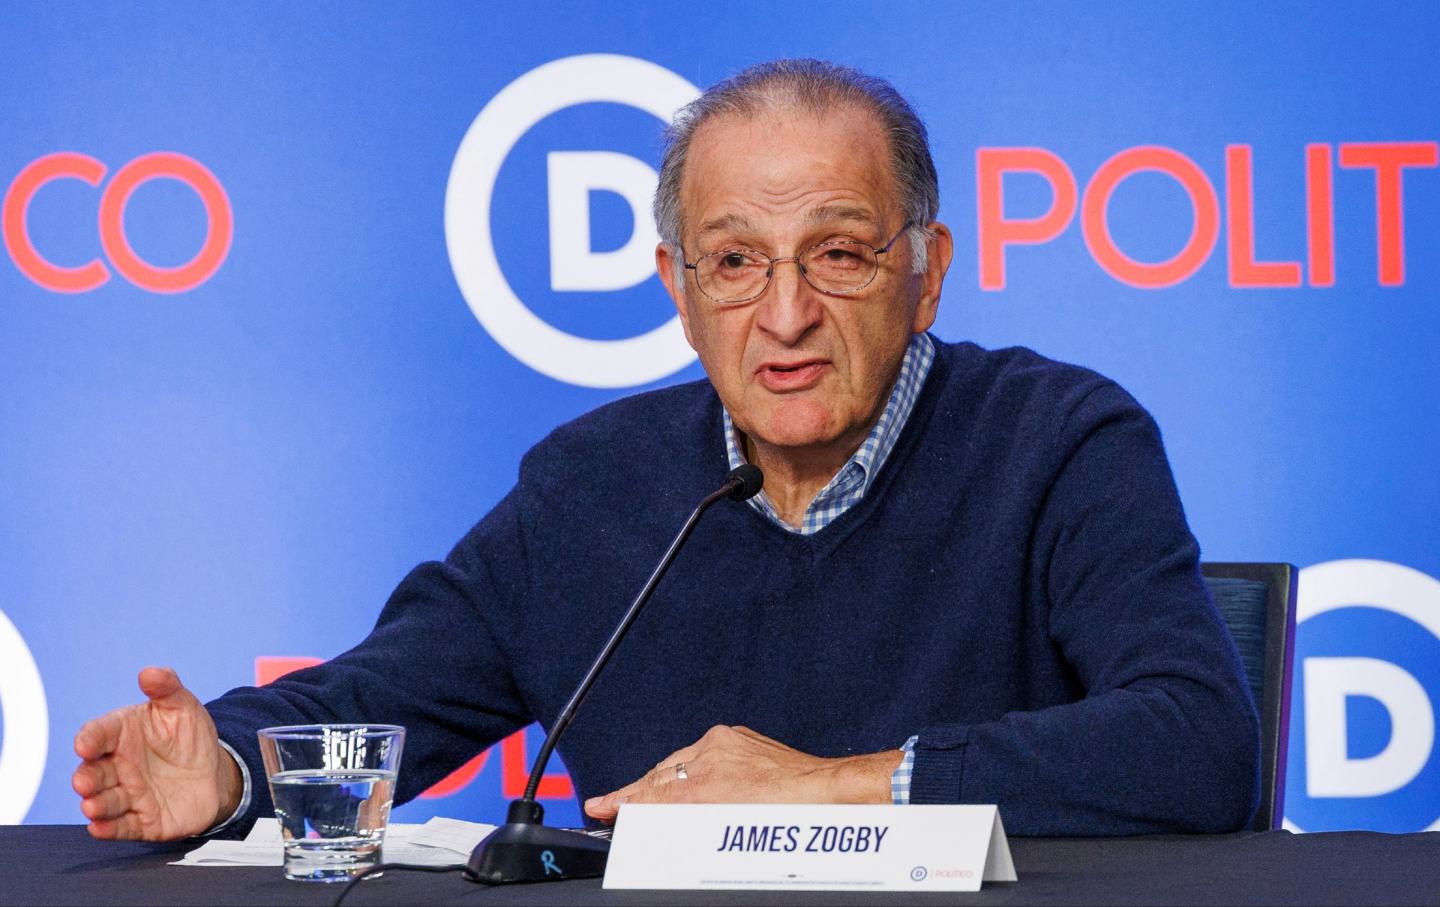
pixel 737 274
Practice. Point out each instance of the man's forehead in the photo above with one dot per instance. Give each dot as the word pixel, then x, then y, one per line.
pixel 734 159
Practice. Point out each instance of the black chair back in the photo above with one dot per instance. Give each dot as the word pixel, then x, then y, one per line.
pixel 1257 602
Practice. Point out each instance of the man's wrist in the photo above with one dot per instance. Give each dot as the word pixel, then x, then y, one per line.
pixel 862 779
pixel 232 781
pixel 230 785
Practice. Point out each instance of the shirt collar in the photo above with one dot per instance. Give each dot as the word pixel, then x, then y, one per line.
pixel 858 473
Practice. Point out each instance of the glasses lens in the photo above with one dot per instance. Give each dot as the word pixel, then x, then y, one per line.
pixel 840 267
pixel 732 275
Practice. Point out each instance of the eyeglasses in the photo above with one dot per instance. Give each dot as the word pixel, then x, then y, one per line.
pixel 737 274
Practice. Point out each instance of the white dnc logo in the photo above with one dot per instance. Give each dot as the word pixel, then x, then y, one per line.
pixel 27 725
pixel 1336 782
pixel 572 175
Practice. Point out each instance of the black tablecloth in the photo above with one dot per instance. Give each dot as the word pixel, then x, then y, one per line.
pixel 61 864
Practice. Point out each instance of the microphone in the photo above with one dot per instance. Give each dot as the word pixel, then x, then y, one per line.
pixel 524 849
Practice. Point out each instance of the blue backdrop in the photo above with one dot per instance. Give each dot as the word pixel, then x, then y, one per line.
pixel 245 384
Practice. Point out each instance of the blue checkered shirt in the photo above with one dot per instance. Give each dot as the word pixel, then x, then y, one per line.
pixel 852 481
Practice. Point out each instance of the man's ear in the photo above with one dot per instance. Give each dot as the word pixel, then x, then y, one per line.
pixel 941 248
pixel 665 266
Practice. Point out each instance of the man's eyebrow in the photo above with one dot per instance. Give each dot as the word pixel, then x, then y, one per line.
pixel 826 214
pixel 822 215
pixel 726 223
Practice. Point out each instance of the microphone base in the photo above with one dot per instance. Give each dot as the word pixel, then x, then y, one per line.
pixel 526 852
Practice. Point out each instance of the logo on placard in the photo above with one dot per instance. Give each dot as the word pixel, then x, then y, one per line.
pixel 70 165
pixel 571 177
pixel 1367 678
pixel 918 874
pixel 27 725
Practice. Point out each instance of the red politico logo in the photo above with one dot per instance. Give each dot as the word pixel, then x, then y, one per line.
pixel 219 222
pixel 1387 160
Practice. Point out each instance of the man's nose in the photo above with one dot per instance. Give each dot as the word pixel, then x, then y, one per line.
pixel 789 307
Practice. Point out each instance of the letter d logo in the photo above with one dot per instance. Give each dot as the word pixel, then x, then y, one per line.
pixel 1330 770
pixel 1368 652
pixel 572 176
pixel 26 729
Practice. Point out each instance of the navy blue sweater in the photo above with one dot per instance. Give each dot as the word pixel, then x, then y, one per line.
pixel 1019 587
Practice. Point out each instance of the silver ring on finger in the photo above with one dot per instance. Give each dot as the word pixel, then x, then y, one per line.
pixel 680 773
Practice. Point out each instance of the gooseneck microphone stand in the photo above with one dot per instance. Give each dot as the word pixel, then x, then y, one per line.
pixel 524 849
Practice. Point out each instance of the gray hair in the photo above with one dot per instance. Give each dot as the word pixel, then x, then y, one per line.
pixel 816 87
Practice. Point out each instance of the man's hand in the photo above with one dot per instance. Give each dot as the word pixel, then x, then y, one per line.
pixel 155 771
pixel 737 765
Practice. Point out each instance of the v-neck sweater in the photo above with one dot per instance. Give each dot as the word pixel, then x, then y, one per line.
pixel 1018 587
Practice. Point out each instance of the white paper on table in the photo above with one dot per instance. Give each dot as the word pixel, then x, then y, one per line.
pixel 450 834
pixel 265 831
pixel 233 853
pixel 262 847
pixel 439 842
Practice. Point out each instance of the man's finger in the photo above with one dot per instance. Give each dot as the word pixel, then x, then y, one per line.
pixel 667 772
pixel 649 795
pixel 111 803
pixel 661 775
pixel 684 792
pixel 93 777
pixel 604 807
pixel 160 684
pixel 646 790
pixel 123 828
pixel 684 754
pixel 99 737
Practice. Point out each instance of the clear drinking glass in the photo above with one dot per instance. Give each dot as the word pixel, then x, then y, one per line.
pixel 332 785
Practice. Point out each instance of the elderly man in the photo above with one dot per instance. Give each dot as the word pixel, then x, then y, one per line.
pixel 968 579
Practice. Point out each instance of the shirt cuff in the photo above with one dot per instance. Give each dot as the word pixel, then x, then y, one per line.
pixel 900 781
pixel 244 794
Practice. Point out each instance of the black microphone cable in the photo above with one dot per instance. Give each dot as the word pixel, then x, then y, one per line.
pixel 394 867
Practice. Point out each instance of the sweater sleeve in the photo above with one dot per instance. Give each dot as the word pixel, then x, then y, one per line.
pixel 1165 736
pixel 433 664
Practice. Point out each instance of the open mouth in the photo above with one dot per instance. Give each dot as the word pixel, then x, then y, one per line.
pixel 796 376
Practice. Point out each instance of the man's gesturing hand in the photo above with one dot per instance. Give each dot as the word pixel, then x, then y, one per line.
pixel 155 771
pixel 737 765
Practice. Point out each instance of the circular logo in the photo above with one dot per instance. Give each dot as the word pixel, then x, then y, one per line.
pixel 27 725
pixel 1367 674
pixel 918 874
pixel 563 83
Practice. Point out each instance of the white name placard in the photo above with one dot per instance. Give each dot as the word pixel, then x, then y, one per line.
pixel 773 847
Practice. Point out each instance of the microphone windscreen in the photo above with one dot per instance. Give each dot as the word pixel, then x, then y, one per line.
pixel 747 479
